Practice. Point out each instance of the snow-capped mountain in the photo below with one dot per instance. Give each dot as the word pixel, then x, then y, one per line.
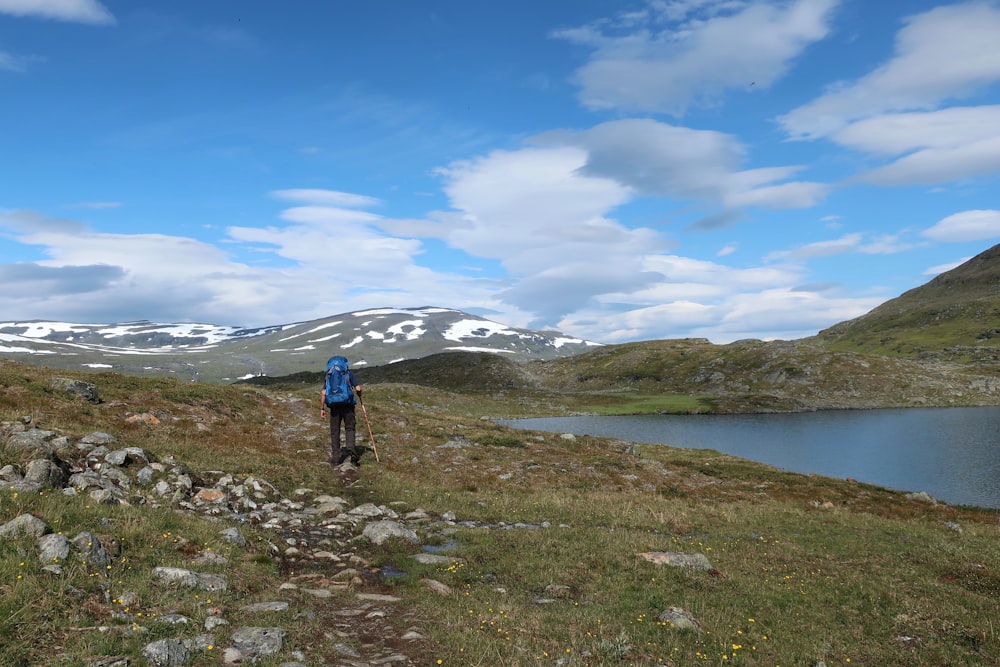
pixel 216 353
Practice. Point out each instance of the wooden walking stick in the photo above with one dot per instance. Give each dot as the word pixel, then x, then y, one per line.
pixel 371 435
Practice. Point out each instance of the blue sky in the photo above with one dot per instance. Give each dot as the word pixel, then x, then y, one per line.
pixel 619 171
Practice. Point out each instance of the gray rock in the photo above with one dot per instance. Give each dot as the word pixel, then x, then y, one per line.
pixel 24 524
pixel 34 441
pixel 213 622
pixel 88 479
pixel 97 438
pixel 9 473
pixel 696 561
pixel 84 390
pixel 367 510
pixel 167 652
pixel 46 473
pixel 254 642
pixel 21 486
pixel 126 456
pixel 188 579
pixel 93 551
pixel 233 536
pixel 145 475
pixel 381 532
pixel 266 607
pixel 172 619
pixel 52 548
pixel 680 619
pixel 103 497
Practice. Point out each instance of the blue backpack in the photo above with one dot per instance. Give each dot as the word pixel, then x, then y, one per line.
pixel 338 386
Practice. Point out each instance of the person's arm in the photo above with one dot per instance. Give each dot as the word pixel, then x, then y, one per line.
pixel 322 402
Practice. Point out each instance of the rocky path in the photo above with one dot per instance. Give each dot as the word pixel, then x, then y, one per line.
pixel 314 537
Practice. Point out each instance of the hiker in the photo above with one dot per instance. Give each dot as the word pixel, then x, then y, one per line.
pixel 337 396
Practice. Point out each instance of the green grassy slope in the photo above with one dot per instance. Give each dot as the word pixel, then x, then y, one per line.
pixel 955 315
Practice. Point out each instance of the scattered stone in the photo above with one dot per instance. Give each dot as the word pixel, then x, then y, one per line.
pixel 24 524
pixel 376 597
pixel 266 607
pixel 172 619
pixel 52 548
pixel 233 536
pixel 381 532
pixel 93 551
pixel 680 619
pixel 97 438
pixel 436 586
pixel 143 418
pixel 46 473
pixel 189 579
pixel 254 642
pixel 695 561
pixel 167 652
pixel 34 442
pixel 84 390
pixel 558 591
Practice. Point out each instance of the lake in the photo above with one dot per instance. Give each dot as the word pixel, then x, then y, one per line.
pixel 951 453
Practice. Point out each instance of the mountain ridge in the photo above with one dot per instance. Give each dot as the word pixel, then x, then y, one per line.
pixel 935 345
pixel 217 353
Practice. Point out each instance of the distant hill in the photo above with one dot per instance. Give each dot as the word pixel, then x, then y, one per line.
pixel 935 345
pixel 955 316
pixel 214 353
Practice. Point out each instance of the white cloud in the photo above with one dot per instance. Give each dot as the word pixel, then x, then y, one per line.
pixel 98 204
pixel 537 212
pixel 944 268
pixel 947 53
pixel 512 203
pixel 727 250
pixel 659 159
pixel 884 244
pixel 936 146
pixel 326 198
pixel 76 11
pixel 788 313
pixel 705 48
pixel 778 311
pixel 11 63
pixel 966 226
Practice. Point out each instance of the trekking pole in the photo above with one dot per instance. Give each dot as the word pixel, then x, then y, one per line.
pixel 371 435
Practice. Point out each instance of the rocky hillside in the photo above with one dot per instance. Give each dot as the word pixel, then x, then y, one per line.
pixel 955 316
pixel 746 376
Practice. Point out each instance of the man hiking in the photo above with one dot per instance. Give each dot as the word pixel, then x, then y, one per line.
pixel 338 397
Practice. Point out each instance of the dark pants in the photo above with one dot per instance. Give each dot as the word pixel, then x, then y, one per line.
pixel 342 412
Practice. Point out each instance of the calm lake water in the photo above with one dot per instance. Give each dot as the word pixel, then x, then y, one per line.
pixel 951 453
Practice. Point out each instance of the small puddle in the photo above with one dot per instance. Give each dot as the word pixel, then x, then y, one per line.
pixel 450 545
pixel 391 572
